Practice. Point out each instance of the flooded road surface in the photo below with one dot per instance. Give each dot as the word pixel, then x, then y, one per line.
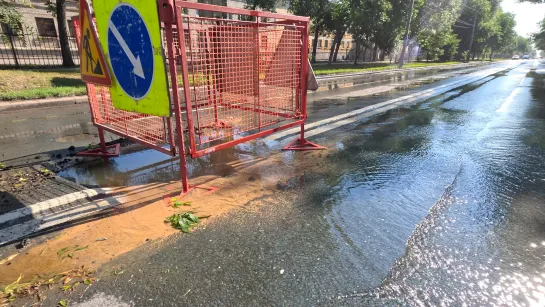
pixel 48 131
pixel 439 203
pixel 337 96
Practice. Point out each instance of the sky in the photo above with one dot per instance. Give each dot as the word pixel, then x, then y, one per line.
pixel 527 15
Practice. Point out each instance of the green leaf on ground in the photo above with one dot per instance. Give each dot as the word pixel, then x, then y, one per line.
pixel 177 204
pixel 63 303
pixel 45 171
pixel 61 251
pixel 183 221
pixel 69 251
pixel 2 166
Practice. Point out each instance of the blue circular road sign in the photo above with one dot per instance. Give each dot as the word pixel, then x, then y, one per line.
pixel 130 51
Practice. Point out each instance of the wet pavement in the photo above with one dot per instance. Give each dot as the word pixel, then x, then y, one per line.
pixel 42 133
pixel 337 96
pixel 437 203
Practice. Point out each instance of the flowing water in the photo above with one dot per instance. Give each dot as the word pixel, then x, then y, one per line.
pixel 441 203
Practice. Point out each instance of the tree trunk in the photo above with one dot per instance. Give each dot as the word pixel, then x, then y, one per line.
pixel 315 44
pixel 473 57
pixel 375 50
pixel 356 53
pixel 382 55
pixel 338 45
pixel 63 34
pixel 491 53
pixel 410 53
pixel 332 49
pixel 365 53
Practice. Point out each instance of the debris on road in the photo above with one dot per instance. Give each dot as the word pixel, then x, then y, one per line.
pixel 175 202
pixel 8 259
pixel 68 252
pixel 183 221
pixel 69 281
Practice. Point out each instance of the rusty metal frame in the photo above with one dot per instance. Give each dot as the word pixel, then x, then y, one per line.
pixel 193 106
pixel 104 152
pixel 170 16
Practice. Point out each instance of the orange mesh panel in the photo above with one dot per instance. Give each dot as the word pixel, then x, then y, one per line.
pixel 147 128
pixel 243 75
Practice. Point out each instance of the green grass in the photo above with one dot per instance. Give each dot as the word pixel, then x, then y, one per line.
pixel 325 69
pixel 24 84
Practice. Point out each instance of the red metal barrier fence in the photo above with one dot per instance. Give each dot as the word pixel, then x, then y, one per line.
pixel 242 79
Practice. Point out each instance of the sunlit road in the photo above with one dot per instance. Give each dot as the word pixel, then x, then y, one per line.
pixel 437 203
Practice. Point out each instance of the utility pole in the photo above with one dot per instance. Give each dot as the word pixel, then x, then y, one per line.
pixel 406 40
pixel 472 33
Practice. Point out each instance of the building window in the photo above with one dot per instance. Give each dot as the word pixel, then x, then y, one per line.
pixel 347 45
pixel 342 44
pixel 326 43
pixel 46 26
pixel 320 43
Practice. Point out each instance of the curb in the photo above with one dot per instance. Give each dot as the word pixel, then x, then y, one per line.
pixel 396 70
pixel 49 102
pixel 50 205
pixel 338 121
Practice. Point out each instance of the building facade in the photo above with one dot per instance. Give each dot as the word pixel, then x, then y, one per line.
pixel 38 21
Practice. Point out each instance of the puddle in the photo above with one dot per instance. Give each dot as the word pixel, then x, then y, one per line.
pixel 144 166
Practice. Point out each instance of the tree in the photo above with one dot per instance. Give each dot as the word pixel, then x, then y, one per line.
pixel 58 9
pixel 504 35
pixel 265 5
pixel 9 15
pixel 366 18
pixel 480 12
pixel 338 26
pixel 539 37
pixel 389 34
pixel 432 28
pixel 523 45
pixel 320 14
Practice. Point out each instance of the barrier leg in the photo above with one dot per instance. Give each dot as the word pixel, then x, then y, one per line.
pixel 104 150
pixel 301 143
pixel 168 14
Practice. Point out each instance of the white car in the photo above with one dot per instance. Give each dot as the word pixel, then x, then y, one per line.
pixel 515 57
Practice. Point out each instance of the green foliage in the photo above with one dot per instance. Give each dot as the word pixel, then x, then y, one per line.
pixel 320 15
pixel 523 44
pixel 539 37
pixel 183 221
pixel 263 5
pixel 11 17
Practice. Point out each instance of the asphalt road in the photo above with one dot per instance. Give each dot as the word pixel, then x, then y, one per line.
pixel 437 203
pixel 49 131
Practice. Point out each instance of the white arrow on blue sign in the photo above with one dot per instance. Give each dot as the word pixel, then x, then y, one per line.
pixel 130 51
